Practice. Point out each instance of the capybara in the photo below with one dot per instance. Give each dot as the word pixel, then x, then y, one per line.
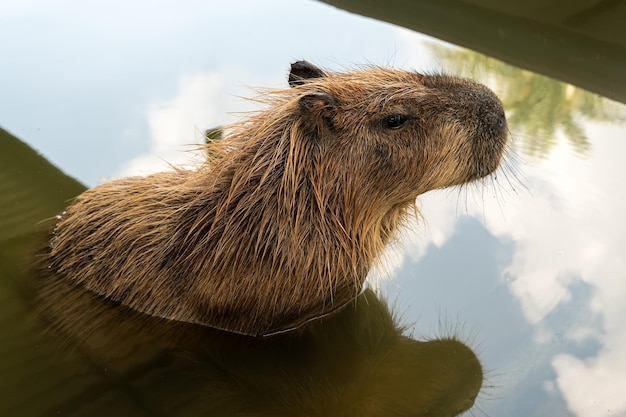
pixel 291 209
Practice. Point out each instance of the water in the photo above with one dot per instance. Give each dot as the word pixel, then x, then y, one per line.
pixel 527 269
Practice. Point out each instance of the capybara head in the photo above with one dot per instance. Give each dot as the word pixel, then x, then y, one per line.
pixel 288 214
pixel 404 133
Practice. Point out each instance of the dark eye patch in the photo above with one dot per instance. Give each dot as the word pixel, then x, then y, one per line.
pixel 395 121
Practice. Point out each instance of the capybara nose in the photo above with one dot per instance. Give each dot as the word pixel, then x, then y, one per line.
pixel 491 133
pixel 489 114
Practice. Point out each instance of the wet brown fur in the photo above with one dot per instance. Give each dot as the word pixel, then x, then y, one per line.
pixel 285 219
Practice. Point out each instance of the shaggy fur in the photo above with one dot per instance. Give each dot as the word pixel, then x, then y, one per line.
pixel 285 219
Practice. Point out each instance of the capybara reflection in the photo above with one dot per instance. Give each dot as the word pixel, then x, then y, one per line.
pixel 286 217
pixel 356 362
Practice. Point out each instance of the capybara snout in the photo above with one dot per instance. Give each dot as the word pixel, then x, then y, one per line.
pixel 480 112
pixel 284 220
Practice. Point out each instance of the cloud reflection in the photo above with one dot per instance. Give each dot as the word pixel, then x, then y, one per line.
pixel 176 124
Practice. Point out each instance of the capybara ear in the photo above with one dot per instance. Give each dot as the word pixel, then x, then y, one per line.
pixel 303 70
pixel 319 106
pixel 319 109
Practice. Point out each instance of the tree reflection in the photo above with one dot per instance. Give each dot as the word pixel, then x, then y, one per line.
pixel 538 108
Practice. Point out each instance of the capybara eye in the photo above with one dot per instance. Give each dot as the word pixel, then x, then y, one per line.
pixel 395 121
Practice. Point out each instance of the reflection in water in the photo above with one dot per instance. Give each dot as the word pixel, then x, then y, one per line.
pixel 353 363
pixel 538 107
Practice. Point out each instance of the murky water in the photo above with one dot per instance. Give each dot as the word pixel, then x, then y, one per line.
pixel 527 269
